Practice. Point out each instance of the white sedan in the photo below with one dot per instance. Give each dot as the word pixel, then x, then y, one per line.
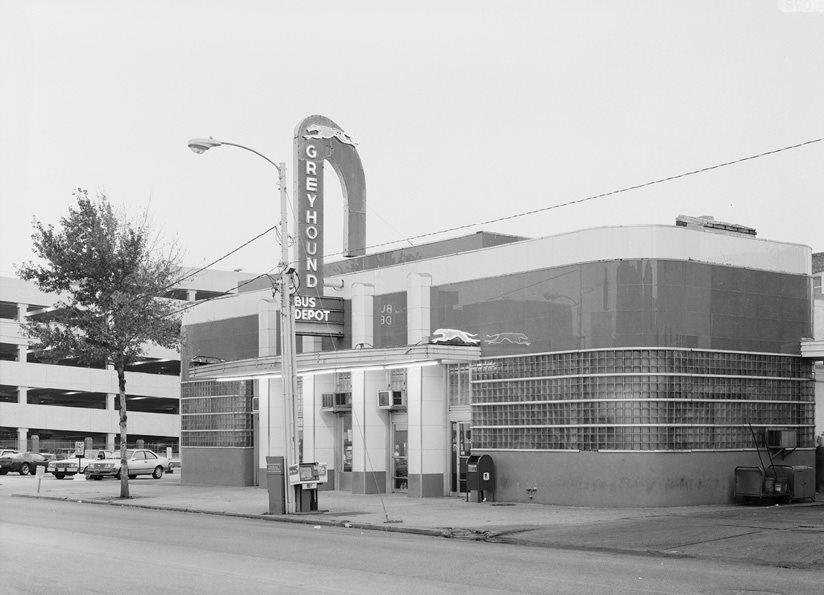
pixel 60 468
pixel 140 462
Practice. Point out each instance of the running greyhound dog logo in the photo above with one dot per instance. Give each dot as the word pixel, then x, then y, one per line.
pixel 453 336
pixel 321 131
pixel 516 338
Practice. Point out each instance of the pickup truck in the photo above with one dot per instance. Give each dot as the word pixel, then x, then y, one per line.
pixel 62 467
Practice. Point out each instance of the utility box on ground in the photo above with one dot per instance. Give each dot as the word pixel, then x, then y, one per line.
pixel 782 482
pixel 802 483
pixel 480 477
pixel 275 479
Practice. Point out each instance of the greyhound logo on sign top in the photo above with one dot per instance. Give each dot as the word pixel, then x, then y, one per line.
pixel 451 336
pixel 319 140
pixel 320 132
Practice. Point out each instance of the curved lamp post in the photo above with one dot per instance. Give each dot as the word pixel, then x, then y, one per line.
pixel 287 328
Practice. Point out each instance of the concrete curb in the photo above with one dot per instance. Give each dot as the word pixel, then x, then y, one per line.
pixel 513 535
pixel 300 520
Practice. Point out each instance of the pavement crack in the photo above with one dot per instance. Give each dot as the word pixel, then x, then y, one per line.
pixel 724 538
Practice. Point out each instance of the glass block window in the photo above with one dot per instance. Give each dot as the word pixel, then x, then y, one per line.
pixel 216 414
pixel 637 399
pixel 459 387
pixel 343 382
pixel 299 399
pixel 397 379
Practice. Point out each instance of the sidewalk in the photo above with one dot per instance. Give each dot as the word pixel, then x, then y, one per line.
pixel 787 536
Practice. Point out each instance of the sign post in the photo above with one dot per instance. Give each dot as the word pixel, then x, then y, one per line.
pixel 40 471
pixel 79 452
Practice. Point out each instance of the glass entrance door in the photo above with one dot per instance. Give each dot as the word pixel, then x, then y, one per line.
pixel 461 449
pixel 345 454
pixel 400 468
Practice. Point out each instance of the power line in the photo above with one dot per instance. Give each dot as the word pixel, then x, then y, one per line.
pixel 223 296
pixel 597 196
pixel 159 292
pixel 509 217
pixel 214 262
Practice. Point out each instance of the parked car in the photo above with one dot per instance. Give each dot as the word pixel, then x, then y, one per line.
pixel 6 453
pixel 140 462
pixel 24 463
pixel 68 466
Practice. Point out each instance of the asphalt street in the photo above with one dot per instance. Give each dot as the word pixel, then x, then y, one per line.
pixel 62 546
pixel 790 536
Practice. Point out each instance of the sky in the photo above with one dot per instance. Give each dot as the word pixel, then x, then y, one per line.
pixel 463 113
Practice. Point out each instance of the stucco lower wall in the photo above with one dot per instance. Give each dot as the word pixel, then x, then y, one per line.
pixel 425 485
pixel 625 479
pixel 217 466
pixel 372 482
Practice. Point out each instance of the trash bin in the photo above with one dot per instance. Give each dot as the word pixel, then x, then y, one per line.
pixel 480 477
pixel 274 484
pixel 778 481
pixel 749 482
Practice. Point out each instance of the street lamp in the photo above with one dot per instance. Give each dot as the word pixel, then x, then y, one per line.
pixel 287 328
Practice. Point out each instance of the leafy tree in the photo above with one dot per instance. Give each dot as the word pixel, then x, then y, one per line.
pixel 108 273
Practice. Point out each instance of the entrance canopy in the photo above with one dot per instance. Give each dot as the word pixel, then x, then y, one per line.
pixel 350 360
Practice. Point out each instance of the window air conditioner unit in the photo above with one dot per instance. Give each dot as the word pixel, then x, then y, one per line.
pixel 781 438
pixel 255 404
pixel 336 401
pixel 391 399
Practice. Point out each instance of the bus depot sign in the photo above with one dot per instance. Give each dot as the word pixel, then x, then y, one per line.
pixel 318 316
pixel 318 140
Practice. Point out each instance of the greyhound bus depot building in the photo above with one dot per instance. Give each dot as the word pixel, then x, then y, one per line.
pixel 633 366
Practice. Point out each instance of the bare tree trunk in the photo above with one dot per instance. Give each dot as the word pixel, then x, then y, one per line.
pixel 124 464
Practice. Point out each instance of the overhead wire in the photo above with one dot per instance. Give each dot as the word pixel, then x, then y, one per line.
pixel 224 295
pixel 597 196
pixel 495 220
pixel 159 292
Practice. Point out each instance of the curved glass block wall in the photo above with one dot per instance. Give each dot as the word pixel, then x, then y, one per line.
pixel 637 399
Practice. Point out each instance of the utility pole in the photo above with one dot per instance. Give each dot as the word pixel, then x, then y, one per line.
pixel 288 365
pixel 287 347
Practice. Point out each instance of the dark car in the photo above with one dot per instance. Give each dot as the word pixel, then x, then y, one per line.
pixel 24 463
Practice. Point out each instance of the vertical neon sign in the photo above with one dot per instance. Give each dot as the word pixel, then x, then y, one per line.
pixel 319 140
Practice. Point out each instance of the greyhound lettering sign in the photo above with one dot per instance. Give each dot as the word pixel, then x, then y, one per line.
pixel 319 140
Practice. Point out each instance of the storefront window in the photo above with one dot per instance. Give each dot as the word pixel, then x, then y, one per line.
pixel 400 470
pixel 346 437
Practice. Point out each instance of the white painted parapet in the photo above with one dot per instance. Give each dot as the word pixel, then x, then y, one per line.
pixel 418 294
pixel 363 296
